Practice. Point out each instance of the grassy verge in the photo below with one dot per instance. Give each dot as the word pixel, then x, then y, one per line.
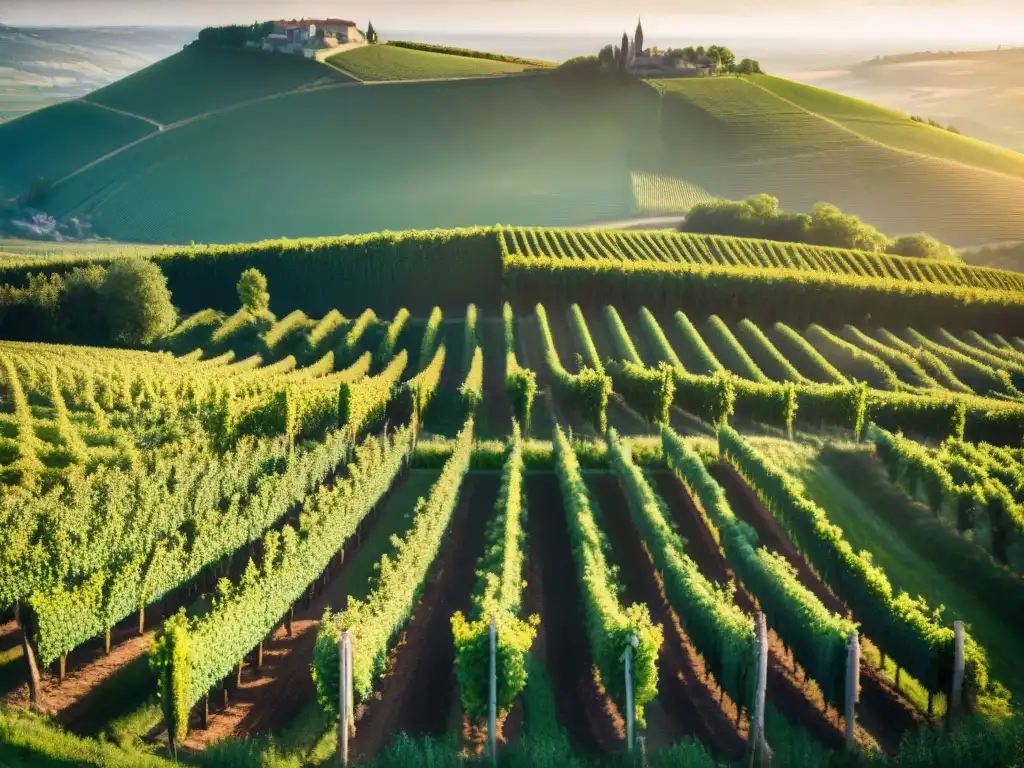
pixel 919 555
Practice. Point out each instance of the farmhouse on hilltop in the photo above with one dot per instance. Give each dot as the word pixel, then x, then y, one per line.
pixel 306 36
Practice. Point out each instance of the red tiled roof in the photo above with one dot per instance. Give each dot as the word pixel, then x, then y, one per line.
pixel 317 22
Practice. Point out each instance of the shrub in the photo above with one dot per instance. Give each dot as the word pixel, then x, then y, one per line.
pixel 136 302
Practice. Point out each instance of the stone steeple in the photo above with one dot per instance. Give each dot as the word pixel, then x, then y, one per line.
pixel 638 39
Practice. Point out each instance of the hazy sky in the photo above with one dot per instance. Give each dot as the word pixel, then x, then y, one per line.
pixel 961 20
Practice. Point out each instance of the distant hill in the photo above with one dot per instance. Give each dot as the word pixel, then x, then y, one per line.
pixel 980 92
pixel 233 145
pixel 40 66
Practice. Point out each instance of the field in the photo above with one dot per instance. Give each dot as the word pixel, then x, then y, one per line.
pixel 385 62
pixel 559 521
pixel 694 499
pixel 664 145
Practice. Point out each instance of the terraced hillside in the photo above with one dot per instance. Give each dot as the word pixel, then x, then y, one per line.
pixel 386 62
pixel 154 152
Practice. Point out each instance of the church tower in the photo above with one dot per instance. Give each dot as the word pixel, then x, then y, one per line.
pixel 638 39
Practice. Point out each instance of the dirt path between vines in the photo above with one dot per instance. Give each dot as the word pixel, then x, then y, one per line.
pixel 269 697
pixel 419 692
pixel 785 689
pixel 684 689
pixel 591 720
pixel 882 711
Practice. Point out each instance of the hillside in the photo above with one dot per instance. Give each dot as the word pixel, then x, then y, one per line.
pixel 190 150
pixel 40 66
pixel 977 91
pixel 385 62
pixel 804 145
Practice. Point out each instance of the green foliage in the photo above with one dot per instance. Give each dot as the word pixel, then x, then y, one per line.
pixel 922 246
pixel 610 625
pixel 472 388
pixel 363 401
pixel 376 621
pixel 388 344
pixel 738 359
pixel 430 337
pixel 720 631
pixel 136 302
pixel 423 385
pixel 816 637
pixel 454 51
pixel 906 629
pixel 103 568
pixel 520 383
pixel 498 594
pixel 252 291
pixel 203 651
pixel 587 390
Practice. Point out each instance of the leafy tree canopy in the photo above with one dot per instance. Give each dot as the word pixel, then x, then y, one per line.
pixel 252 291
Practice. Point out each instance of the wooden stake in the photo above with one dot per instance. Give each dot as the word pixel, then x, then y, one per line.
pixel 238 675
pixel 206 712
pixel 956 700
pixel 288 618
pixel 259 655
pixel 627 656
pixel 755 738
pixel 492 695
pixel 898 671
pixel 224 691
pixel 852 689
pixel 931 703
pixel 344 683
pixel 62 668
pixel 142 620
pixel 106 641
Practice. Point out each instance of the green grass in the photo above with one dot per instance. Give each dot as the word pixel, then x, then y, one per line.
pixel 394 520
pixel 385 62
pixel 896 129
pixel 763 135
pixel 455 153
pixel 18 249
pixel 416 156
pixel 200 79
pixel 53 142
pixel 917 554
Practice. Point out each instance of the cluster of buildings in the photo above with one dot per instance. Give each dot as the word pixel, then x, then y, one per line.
pixel 654 62
pixel 304 37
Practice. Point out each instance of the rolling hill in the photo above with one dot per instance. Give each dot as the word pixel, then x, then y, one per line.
pixel 386 62
pixel 43 65
pixel 227 145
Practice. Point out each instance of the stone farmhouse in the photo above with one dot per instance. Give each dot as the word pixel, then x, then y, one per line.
pixel 304 37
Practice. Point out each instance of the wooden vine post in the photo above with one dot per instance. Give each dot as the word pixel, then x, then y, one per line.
pixel 956 700
pixel 758 746
pixel 346 722
pixel 627 657
pixel 852 689
pixel 492 694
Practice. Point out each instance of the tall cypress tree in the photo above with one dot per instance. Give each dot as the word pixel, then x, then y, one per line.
pixel 371 33
pixel 624 52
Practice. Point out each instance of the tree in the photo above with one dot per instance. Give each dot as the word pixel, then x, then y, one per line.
pixel 623 53
pixel 724 56
pixel 749 67
pixel 830 226
pixel 371 33
pixel 136 301
pixel 252 291
pixel 606 58
pixel 81 316
pixel 923 246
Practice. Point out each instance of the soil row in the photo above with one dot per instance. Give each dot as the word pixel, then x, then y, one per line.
pixel 882 711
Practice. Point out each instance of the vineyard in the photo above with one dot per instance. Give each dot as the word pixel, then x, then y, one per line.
pixel 659 519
